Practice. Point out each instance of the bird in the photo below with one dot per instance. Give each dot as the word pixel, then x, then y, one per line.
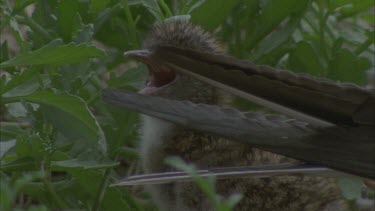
pixel 160 139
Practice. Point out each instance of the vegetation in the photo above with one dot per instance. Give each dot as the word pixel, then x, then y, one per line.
pixel 61 145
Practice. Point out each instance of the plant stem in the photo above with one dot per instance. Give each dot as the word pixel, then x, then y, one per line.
pixel 103 187
pixel 131 22
pixel 165 8
pixel 34 26
pixel 311 24
pixel 364 46
pixel 322 26
pixel 16 124
pixel 50 189
pixel 4 101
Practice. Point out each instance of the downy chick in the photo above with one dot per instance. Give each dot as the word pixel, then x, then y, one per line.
pixel 160 139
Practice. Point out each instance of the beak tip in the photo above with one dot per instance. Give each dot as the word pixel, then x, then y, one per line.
pixel 137 53
pixel 127 53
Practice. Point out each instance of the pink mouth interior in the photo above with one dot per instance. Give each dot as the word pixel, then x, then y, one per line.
pixel 157 80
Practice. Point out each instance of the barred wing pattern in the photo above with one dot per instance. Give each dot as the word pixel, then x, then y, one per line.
pixel 344 148
pixel 315 100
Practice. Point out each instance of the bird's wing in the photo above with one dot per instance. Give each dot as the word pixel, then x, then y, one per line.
pixel 314 100
pixel 232 172
pixel 349 149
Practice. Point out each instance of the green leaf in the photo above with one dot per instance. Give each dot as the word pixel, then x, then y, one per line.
pixel 134 2
pixel 333 4
pixel 304 59
pixel 233 200
pixel 134 78
pixel 16 110
pixel 114 198
pixel 7 194
pixel 70 115
pixel 5 146
pixel 271 15
pixel 19 5
pixel 21 164
pixel 84 35
pixel 67 12
pixel 213 12
pixel 365 45
pixel 355 7
pixel 55 54
pixel 153 7
pixel 90 159
pixel 351 187
pixel 10 132
pixel 272 42
pixel 345 66
pixel 191 6
pixel 17 33
pixel 4 51
pixel 97 6
pixel 178 18
pixel 23 83
pixel 30 146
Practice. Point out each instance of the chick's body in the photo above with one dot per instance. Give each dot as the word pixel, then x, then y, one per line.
pixel 160 139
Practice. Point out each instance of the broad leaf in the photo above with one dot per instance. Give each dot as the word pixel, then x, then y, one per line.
pixel 23 83
pixel 347 67
pixel 30 146
pixel 304 59
pixel 55 54
pixel 67 11
pixel 270 43
pixel 70 115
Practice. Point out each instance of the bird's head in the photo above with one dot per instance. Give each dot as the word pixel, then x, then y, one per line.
pixel 164 81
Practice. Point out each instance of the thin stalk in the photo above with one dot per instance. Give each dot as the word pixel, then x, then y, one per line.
pixel 322 26
pixel 93 99
pixel 51 190
pixel 94 81
pixel 56 197
pixel 165 8
pixel 102 189
pixel 131 23
pixel 363 47
pixel 4 101
pixel 34 26
pixel 311 24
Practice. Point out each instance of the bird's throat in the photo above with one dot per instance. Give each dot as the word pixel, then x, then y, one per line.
pixel 157 80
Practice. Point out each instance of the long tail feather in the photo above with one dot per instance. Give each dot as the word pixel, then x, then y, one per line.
pixel 233 172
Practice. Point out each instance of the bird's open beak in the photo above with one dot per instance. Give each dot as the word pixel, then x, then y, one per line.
pixel 159 75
